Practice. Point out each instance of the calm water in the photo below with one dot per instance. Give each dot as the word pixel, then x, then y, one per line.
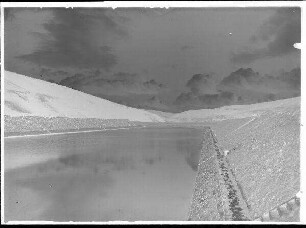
pixel 131 174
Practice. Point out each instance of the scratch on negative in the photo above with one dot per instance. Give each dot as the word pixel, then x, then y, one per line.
pixel 245 124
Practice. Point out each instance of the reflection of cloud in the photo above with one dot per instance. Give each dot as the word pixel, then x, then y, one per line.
pixel 73 160
pixel 96 161
pixel 191 149
pixel 151 159
pixel 75 39
pixel 280 33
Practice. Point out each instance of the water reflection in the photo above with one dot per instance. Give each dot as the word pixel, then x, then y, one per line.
pixel 147 174
pixel 191 149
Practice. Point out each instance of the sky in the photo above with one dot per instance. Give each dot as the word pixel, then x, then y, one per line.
pixel 170 60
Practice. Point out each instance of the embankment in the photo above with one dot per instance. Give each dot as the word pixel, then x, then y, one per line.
pixel 35 125
pixel 216 195
pixel 220 196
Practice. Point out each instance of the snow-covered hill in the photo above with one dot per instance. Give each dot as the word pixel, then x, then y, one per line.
pixel 26 96
pixel 234 111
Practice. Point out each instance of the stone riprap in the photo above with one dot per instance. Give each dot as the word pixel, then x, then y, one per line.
pixel 36 124
pixel 216 196
pixel 209 201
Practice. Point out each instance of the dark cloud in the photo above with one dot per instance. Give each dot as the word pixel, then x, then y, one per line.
pixel 247 77
pixel 240 76
pixel 121 87
pixel 190 100
pixel 292 78
pixel 78 48
pixel 243 86
pixel 202 94
pixel 280 33
pixel 124 75
pixel 75 38
pixel 202 83
pixel 74 82
pixel 121 84
pixel 53 75
pixel 52 81
pixel 152 84
pixel 142 101
pixel 154 103
pixel 251 87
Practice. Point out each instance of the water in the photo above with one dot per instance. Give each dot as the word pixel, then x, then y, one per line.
pixel 129 174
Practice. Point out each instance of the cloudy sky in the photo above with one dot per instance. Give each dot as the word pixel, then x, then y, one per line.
pixel 166 59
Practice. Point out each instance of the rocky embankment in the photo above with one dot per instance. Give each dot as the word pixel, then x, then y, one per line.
pixel 36 124
pixel 220 195
pixel 208 202
pixel 264 154
pixel 216 196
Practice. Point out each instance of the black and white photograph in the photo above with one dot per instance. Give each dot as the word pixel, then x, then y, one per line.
pixel 141 113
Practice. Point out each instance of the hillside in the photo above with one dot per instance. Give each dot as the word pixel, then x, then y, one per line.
pixel 234 111
pixel 25 96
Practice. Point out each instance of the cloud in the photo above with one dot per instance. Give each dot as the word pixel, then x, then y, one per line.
pixel 202 93
pixel 105 85
pixel 243 86
pixel 292 78
pixel 239 77
pixel 53 75
pixel 153 103
pixel 121 87
pixel 251 87
pixel 152 84
pixel 202 83
pixel 78 38
pixel 75 82
pixel 190 100
pixel 279 33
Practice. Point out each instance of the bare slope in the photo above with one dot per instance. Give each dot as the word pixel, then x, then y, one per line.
pixel 263 145
pixel 264 153
pixel 234 111
pixel 28 96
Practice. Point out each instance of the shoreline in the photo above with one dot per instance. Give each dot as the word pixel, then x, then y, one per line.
pixel 94 130
pixel 63 133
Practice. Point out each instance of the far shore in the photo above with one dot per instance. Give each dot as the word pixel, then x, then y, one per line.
pixel 25 134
